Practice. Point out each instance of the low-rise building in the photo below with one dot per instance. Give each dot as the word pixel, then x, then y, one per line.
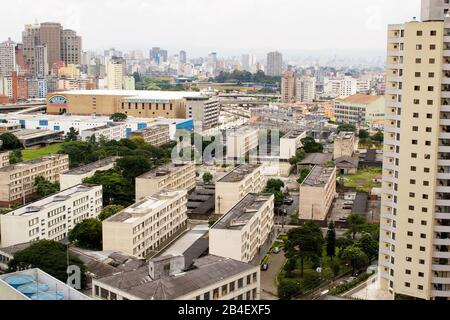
pixel 35 137
pixel 76 176
pixel 51 218
pixel 344 145
pixel 242 232
pixel 140 230
pixel 234 186
pixel 7 254
pixel 290 143
pixel 4 159
pixel 347 165
pixel 157 135
pixel 17 182
pixel 317 193
pixel 241 142
pixel 7 127
pixel 168 177
pixel 110 131
pixel 167 278
pixel 363 111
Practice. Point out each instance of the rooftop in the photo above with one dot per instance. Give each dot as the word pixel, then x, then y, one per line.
pixel 32 133
pixel 50 201
pixel 241 131
pixel 12 250
pixel 345 135
pixel 319 176
pixel 135 94
pixel 243 212
pixel 239 173
pixel 294 134
pixel 92 166
pixel 106 126
pixel 163 170
pixel 316 159
pixel 145 206
pixel 347 162
pixel 361 99
pixel 206 272
pixel 25 164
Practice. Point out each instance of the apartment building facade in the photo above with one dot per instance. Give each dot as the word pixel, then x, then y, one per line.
pixel 51 218
pixel 363 111
pixel 4 159
pixel 169 177
pixel 110 131
pixel 242 232
pixel 17 182
pixel 344 145
pixel 157 135
pixel 290 143
pixel 289 87
pixel 234 186
pixel 140 229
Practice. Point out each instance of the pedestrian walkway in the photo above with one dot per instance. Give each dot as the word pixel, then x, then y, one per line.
pixel 269 290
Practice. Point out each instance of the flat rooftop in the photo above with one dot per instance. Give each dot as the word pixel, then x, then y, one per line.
pixel 294 134
pixel 316 159
pixel 92 166
pixel 243 212
pixel 206 272
pixel 145 206
pixel 105 126
pixel 32 133
pixel 23 165
pixel 319 176
pixel 241 131
pixel 135 94
pixel 345 135
pixel 50 201
pixel 239 173
pixel 163 170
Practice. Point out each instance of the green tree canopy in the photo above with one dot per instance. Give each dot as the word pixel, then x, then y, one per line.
pixel 303 175
pixel 118 117
pixel 368 245
pixel 288 290
pixel 331 240
pixel 44 187
pixel 72 135
pixel 207 177
pixel 9 141
pixel 356 224
pixel 311 146
pixel 364 134
pixel 109 211
pixel 356 257
pixel 378 137
pixel 87 234
pixel 274 185
pixel 346 127
pixel 15 156
pixel 133 166
pixel 299 156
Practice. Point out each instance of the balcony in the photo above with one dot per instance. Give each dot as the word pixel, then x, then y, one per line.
pixel 441 294
pixel 441 255
pixel 441 242
pixel 398 66
pixel 437 280
pixel 397 91
pixel 440 268
pixel 394 79
pixel 444 229
pixel 446 66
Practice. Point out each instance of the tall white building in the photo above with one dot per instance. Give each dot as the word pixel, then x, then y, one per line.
pixel 306 89
pixel 343 87
pixel 274 64
pixel 7 58
pixel 115 72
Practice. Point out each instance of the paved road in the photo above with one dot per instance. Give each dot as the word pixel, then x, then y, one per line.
pixel 268 278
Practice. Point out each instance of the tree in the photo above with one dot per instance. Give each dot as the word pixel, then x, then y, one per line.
pixel 363 134
pixel 303 175
pixel 299 156
pixel 133 166
pixel 15 156
pixel 87 234
pixel 356 257
pixel 207 178
pixel 109 211
pixel 274 185
pixel 288 290
pixel 72 135
pixel 118 117
pixel 368 245
pixel 378 137
pixel 50 257
pixel 331 240
pixel 9 141
pixel 346 127
pixel 311 146
pixel 356 224
pixel 44 187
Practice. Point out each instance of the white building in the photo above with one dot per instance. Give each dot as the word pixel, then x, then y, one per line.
pixel 306 89
pixel 110 131
pixel 240 142
pixel 51 218
pixel 242 232
pixel 7 58
pixel 343 87
pixel 290 143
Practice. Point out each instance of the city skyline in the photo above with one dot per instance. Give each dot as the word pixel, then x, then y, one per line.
pixel 293 37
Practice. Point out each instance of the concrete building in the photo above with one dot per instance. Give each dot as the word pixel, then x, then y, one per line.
pixel 306 89
pixel 76 176
pixel 111 131
pixel 128 83
pixel 289 87
pixel 4 159
pixel 204 111
pixel 317 193
pixel 35 137
pixel 51 218
pixel 142 229
pixel 234 186
pixel 169 177
pixel 361 110
pixel 290 143
pixel 241 142
pixel 274 64
pixel 115 72
pixel 157 135
pixel 243 231
pixel 17 181
pixel 340 87
pixel 166 278
pixel 345 145
pixel 414 255
pixel 51 289
pixel 71 47
pixel 7 58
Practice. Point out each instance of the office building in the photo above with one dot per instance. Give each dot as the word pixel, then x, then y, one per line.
pixel 345 145
pixel 244 230
pixel 317 193
pixel 115 71
pixel 111 131
pixel 415 221
pixel 166 278
pixel 71 47
pixel 241 142
pixel 168 177
pixel 204 111
pixel 183 57
pixel 274 64
pixel 306 89
pixel 289 86
pixel 76 176
pixel 363 111
pixel 235 185
pixel 142 229
pixel 7 58
pixel 51 218
pixel 17 181
pixel 157 135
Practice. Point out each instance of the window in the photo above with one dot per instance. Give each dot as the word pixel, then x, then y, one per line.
pixel 423 249
pixel 420 287
pixel 424 223
pixel 408 271
pixel 413 169
pixel 412 181
pixel 415 128
pixel 418 47
pixel 407 284
pixel 419 33
pixel 431 75
pixel 428 143
pixel 408 259
pixel 417 74
pixel 426 170
pixel 418 60
pixel 428 129
pixel 414 155
pixel 411 208
pixel 425 197
pixel 432 61
pixel 429 102
pixel 416 101
pixel 414 142
pixel 232 286
pixel 421 261
pixel 416 88
pixel 409 246
pixel 216 294
pixel 415 115
pixel 429 116
pixel 240 283
pixel 430 88
pixel 410 220
pixel 433 33
pixel 207 296
pixel 432 47
pixel 423 236
pixel 410 234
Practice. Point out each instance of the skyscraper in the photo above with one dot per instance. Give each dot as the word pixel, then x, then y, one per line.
pixel 7 57
pixel 414 255
pixel 289 86
pixel 116 72
pixel 183 57
pixel 274 64
pixel 50 36
pixel 306 89
pixel 71 47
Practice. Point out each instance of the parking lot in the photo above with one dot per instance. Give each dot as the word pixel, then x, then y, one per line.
pixel 338 212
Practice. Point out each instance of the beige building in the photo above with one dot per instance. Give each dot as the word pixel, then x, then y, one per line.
pixel 140 230
pixel 204 111
pixel 243 231
pixel 4 159
pixel 317 193
pixel 241 142
pixel 51 218
pixel 110 131
pixel 168 177
pixel 166 278
pixel 363 111
pixel 289 87
pixel 76 176
pixel 234 186
pixel 157 135
pixel 17 182
pixel 345 144
pixel 115 73
pixel 415 213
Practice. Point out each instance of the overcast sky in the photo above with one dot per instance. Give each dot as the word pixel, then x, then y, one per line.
pixel 226 26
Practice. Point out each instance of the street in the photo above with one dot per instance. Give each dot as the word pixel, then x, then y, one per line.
pixel 269 290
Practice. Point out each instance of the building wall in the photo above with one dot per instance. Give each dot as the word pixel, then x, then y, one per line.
pixel 344 147
pixel 239 143
pixel 155 135
pixel 68 180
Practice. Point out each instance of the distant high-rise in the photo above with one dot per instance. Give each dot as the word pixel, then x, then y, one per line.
pixel 41 66
pixel 289 86
pixel 7 57
pixel 274 64
pixel 115 72
pixel 212 63
pixel 158 55
pixel 306 89
pixel 50 36
pixel 71 47
pixel 183 57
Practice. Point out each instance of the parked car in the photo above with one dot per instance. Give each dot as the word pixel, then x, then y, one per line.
pixel 265 267
pixel 347 208
pixel 348 203
pixel 289 201
pixel 276 250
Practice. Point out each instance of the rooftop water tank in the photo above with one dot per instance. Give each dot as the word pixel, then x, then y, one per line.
pixel 32 288
pixel 17 281
pixel 48 296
